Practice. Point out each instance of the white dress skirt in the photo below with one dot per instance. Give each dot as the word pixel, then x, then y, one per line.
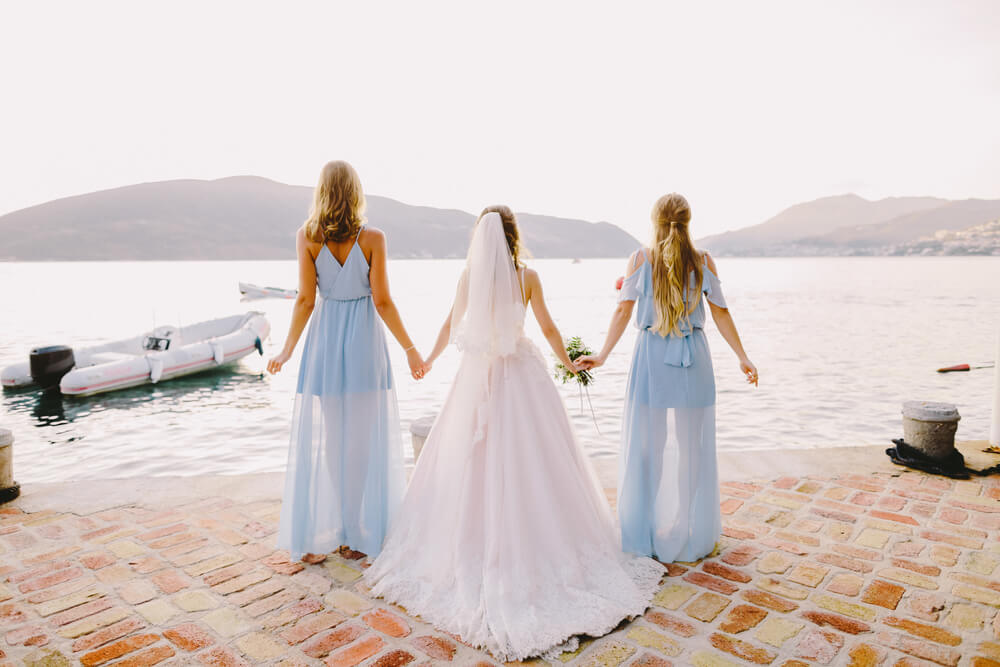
pixel 505 537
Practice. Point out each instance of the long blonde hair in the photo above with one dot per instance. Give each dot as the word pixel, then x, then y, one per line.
pixel 510 230
pixel 674 257
pixel 338 206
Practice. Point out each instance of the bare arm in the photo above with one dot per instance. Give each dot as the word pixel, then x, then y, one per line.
pixel 619 321
pixel 379 278
pixel 304 302
pixel 724 322
pixel 533 289
pixel 444 336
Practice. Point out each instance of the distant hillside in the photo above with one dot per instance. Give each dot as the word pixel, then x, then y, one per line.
pixel 981 239
pixel 247 217
pixel 950 216
pixel 852 225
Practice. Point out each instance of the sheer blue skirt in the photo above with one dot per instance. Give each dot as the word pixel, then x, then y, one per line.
pixel 668 488
pixel 344 478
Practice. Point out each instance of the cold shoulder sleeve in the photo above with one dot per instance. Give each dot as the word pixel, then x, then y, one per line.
pixel 630 285
pixel 711 286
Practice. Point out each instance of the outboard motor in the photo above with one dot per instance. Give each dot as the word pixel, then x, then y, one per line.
pixel 49 364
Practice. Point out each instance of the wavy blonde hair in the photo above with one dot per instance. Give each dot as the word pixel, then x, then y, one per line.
pixel 338 206
pixel 674 257
pixel 510 230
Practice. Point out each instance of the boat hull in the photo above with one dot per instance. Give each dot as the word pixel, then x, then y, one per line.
pixel 123 364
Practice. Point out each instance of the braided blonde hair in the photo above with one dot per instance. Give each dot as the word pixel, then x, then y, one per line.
pixel 674 257
pixel 338 206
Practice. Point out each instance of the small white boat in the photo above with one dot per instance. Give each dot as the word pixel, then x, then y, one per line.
pixel 164 353
pixel 253 292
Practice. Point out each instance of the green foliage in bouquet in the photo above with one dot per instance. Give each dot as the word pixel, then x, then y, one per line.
pixel 575 348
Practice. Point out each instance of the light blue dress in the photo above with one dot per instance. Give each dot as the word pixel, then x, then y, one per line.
pixel 668 487
pixel 344 478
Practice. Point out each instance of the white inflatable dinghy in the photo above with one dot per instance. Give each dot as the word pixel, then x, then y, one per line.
pixel 164 353
pixel 253 292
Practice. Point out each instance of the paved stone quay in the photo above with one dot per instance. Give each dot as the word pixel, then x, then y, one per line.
pixel 875 569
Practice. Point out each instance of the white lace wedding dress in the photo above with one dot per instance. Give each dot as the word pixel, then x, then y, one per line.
pixel 504 537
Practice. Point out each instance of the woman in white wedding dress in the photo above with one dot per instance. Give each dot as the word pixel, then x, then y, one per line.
pixel 504 537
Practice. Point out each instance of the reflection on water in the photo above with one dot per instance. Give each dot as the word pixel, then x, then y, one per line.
pixel 840 343
pixel 51 408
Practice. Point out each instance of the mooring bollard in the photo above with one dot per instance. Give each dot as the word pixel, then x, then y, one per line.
pixel 9 489
pixel 419 429
pixel 930 428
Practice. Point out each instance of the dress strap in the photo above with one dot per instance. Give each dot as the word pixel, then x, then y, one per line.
pixel 521 274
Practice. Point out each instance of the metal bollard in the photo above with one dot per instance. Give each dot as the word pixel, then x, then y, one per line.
pixel 9 489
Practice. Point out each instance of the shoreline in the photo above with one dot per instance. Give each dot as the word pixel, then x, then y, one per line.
pixel 758 464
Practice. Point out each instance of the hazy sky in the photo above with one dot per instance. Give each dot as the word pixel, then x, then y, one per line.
pixel 580 109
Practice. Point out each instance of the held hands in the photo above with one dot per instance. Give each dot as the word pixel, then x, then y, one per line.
pixel 418 367
pixel 589 362
pixel 749 370
pixel 275 364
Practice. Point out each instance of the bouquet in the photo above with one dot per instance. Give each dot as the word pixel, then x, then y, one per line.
pixel 575 349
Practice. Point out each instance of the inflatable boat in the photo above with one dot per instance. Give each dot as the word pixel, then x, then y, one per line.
pixel 253 292
pixel 164 353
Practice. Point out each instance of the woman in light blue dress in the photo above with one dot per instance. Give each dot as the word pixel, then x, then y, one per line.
pixel 668 488
pixel 344 477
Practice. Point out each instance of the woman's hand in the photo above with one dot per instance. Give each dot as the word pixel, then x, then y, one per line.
pixel 275 364
pixel 749 370
pixel 589 362
pixel 418 368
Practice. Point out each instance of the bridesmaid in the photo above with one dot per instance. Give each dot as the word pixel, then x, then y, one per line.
pixel 668 489
pixel 345 474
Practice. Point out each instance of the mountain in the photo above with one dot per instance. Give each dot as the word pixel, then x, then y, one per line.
pixel 950 216
pixel 812 219
pixel 851 225
pixel 248 217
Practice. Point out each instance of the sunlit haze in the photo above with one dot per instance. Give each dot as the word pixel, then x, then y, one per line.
pixel 577 109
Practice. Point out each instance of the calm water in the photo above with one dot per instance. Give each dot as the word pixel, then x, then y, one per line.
pixel 840 343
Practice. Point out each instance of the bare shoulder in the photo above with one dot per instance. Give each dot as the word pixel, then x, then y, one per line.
pixel 709 262
pixel 304 243
pixel 372 236
pixel 636 260
pixel 371 240
pixel 531 277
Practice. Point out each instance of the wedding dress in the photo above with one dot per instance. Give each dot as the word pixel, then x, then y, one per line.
pixel 504 537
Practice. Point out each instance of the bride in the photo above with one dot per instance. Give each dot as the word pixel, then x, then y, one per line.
pixel 504 537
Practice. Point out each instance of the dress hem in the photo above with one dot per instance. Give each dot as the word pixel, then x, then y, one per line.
pixel 645 573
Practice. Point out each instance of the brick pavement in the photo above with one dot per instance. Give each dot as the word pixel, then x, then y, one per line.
pixel 877 569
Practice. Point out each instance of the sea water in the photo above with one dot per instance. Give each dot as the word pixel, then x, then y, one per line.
pixel 840 343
